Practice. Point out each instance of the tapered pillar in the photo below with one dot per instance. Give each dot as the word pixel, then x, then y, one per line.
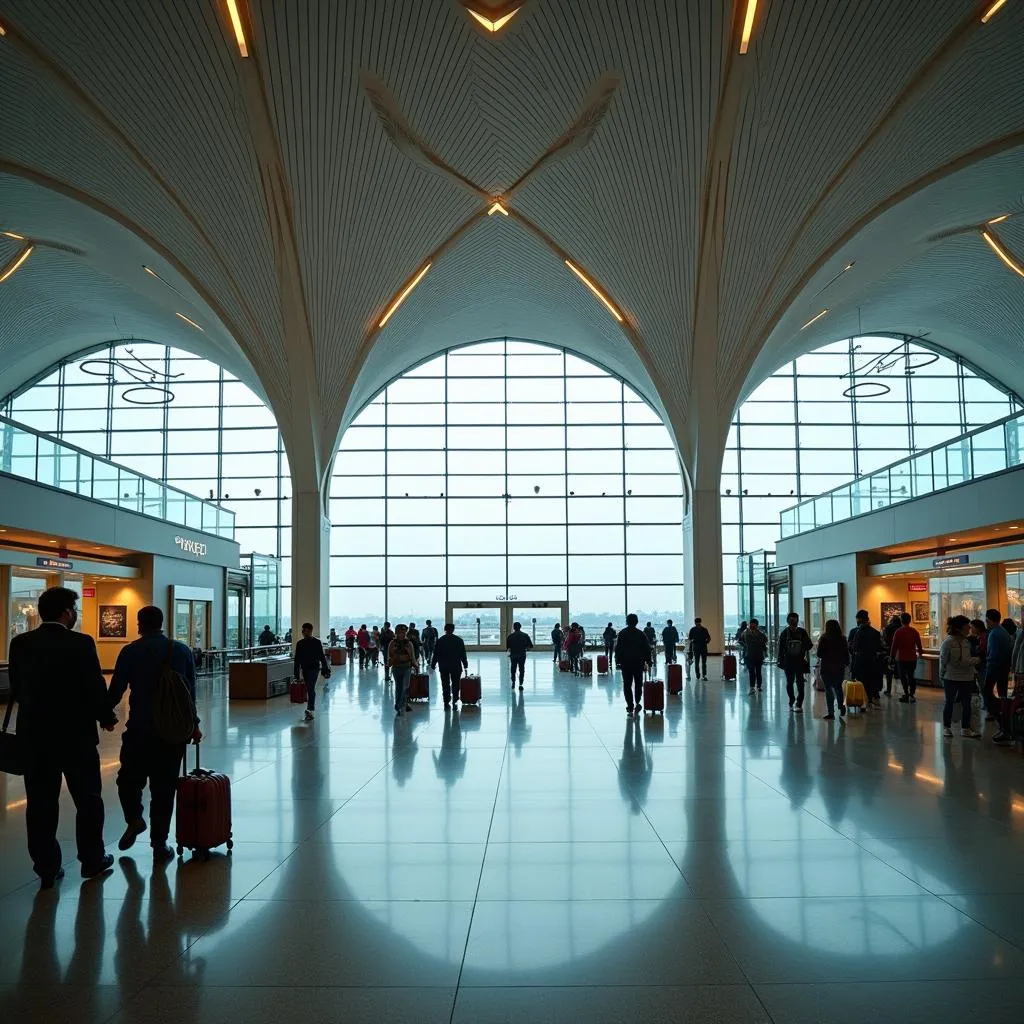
pixel 311 565
pixel 702 560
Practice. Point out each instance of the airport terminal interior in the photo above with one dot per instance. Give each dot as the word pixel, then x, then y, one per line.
pixel 519 315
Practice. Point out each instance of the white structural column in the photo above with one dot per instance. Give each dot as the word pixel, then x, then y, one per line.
pixel 311 566
pixel 702 558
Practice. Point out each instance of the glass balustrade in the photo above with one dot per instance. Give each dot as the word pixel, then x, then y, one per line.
pixel 42 459
pixel 983 452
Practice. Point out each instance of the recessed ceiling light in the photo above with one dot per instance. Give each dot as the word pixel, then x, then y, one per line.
pixel 748 25
pixel 994 245
pixel 597 291
pixel 191 322
pixel 991 11
pixel 496 207
pixel 952 538
pixel 814 319
pixel 13 265
pixel 1014 527
pixel 402 296
pixel 51 542
pixel 236 24
pixel 493 24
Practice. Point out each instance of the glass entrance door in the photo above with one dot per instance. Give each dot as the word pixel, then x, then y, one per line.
pixel 538 621
pixel 485 627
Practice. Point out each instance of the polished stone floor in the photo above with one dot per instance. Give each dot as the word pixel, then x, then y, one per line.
pixel 544 859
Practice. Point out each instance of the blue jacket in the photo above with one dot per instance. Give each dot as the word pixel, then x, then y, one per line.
pixel 138 669
pixel 1000 650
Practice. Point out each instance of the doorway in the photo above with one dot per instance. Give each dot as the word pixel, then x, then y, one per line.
pixel 483 625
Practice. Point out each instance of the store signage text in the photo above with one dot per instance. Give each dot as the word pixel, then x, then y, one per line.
pixel 917 588
pixel 948 560
pixel 54 563
pixel 191 547
pixel 88 591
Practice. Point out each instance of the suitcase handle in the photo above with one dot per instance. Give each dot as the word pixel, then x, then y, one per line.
pixel 184 761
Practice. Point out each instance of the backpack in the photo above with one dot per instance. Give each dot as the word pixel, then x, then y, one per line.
pixel 795 645
pixel 174 713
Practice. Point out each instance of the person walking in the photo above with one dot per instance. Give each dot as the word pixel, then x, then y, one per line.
pixel 889 664
pixel 794 643
pixel 403 661
pixel 58 685
pixel 904 651
pixel 833 657
pixel 867 657
pixel 755 643
pixel 266 638
pixel 669 639
pixel 429 639
pixel 740 642
pixel 610 635
pixel 699 638
pixel 387 635
pixel 998 662
pixel 363 643
pixel 146 756
pixel 414 638
pixel 956 670
pixel 310 661
pixel 557 639
pixel 350 641
pixel 517 643
pixel 576 641
pixel 375 646
pixel 449 658
pixel 632 655
pixel 652 641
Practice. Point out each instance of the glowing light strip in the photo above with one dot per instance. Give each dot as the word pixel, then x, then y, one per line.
pixel 814 319
pixel 3 31
pixel 403 295
pixel 992 11
pixel 1001 252
pixel 994 220
pixel 498 23
pixel 188 321
pixel 236 24
pixel 497 208
pixel 11 234
pixel 11 267
pixel 748 25
pixel 593 287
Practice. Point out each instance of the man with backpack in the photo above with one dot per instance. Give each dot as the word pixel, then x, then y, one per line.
pixel 310 661
pixel 610 636
pixel 794 645
pixel 160 677
pixel 652 641
pixel 429 639
pixel 387 634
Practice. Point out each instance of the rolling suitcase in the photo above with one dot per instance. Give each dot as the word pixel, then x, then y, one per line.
pixel 469 689
pixel 654 696
pixel 564 665
pixel 602 664
pixel 586 667
pixel 728 666
pixel 855 697
pixel 297 692
pixel 336 655
pixel 203 816
pixel 674 675
pixel 419 686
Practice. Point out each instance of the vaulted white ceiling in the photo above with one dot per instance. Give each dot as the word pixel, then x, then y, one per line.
pixel 288 196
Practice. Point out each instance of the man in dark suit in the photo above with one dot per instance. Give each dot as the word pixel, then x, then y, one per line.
pixel 450 659
pixel 58 684
pixel 632 658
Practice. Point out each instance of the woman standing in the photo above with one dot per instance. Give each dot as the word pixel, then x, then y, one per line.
pixel 833 657
pixel 956 669
pixel 755 646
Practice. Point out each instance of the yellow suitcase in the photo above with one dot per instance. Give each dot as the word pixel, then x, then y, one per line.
pixel 854 694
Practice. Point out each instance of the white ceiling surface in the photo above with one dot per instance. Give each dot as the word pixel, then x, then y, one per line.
pixel 838 108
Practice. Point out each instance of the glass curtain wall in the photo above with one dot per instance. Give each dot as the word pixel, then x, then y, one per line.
pixel 841 411
pixel 506 470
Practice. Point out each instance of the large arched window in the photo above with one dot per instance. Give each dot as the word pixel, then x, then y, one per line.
pixel 506 468
pixel 841 411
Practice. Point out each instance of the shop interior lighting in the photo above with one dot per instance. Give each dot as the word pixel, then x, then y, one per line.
pixel 189 321
pixel 748 25
pixel 13 265
pixel 236 24
pixel 814 319
pixel 991 11
pixel 494 25
pixel 994 244
pixel 402 296
pixel 597 291
pixel 496 207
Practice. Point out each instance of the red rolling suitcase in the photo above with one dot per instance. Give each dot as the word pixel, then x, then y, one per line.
pixel 602 664
pixel 419 686
pixel 564 665
pixel 203 815
pixel 469 689
pixel 297 692
pixel 336 655
pixel 654 696
pixel 728 666
pixel 674 675
pixel 586 667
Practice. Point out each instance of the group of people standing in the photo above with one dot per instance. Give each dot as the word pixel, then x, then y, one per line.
pixel 372 644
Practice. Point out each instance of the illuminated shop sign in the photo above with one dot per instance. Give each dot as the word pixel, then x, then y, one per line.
pixel 54 563
pixel 917 588
pixel 950 560
pixel 191 547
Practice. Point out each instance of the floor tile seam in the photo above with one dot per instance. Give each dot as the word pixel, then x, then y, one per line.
pixel 981 924
pixel 479 884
